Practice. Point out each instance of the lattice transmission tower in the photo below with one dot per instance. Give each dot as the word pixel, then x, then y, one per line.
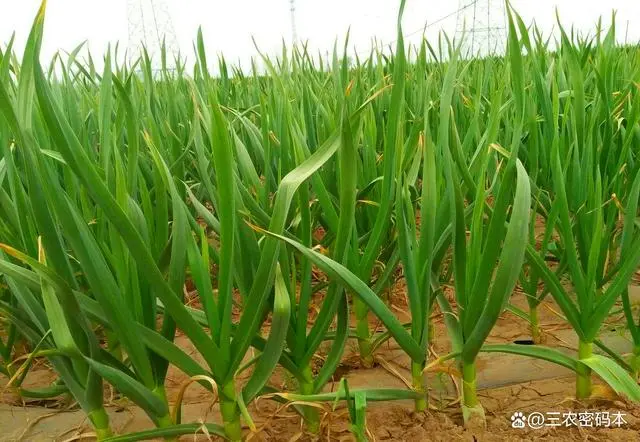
pixel 294 31
pixel 150 26
pixel 484 26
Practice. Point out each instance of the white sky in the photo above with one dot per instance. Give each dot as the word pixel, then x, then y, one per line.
pixel 229 25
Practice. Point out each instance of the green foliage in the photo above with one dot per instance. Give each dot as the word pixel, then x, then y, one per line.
pixel 287 196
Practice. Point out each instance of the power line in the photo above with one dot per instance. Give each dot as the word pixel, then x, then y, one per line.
pixel 482 31
pixel 294 33
pixel 441 19
pixel 428 25
pixel 150 27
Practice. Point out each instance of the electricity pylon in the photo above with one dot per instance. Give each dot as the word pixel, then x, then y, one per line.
pixel 150 26
pixel 484 26
pixel 294 33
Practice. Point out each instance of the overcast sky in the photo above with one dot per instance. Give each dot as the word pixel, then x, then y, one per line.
pixel 228 26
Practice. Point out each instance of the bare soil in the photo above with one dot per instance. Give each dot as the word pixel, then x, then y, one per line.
pixel 508 384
